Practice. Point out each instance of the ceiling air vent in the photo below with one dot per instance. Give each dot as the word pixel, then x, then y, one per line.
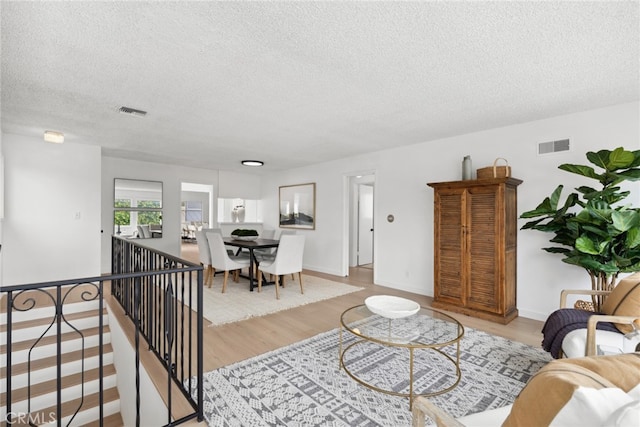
pixel 553 146
pixel 132 112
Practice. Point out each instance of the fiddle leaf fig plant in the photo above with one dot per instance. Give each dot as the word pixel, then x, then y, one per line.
pixel 593 228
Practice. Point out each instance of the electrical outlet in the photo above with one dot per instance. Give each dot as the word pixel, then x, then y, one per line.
pixel 76 215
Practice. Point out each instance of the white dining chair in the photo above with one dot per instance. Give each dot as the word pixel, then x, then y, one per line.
pixel 283 233
pixel 205 256
pixel 288 260
pixel 222 261
pixel 269 253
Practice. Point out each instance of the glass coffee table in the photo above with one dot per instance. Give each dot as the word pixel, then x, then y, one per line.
pixel 427 330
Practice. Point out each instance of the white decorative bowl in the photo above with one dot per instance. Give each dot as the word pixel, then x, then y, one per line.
pixel 245 238
pixel 391 307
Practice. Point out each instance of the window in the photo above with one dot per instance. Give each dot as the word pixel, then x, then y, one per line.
pixel 192 211
pixel 122 217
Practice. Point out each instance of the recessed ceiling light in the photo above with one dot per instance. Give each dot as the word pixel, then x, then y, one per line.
pixel 252 163
pixel 53 136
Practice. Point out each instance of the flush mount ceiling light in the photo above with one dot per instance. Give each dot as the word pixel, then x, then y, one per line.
pixel 53 136
pixel 252 163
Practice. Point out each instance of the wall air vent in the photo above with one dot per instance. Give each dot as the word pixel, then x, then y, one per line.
pixel 132 112
pixel 553 146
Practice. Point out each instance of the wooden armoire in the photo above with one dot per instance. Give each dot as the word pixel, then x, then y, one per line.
pixel 475 240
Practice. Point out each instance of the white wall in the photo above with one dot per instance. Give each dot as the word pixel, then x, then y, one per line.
pixel 172 177
pixel 51 226
pixel 404 249
pixel 46 184
pixel 153 410
pixel 234 185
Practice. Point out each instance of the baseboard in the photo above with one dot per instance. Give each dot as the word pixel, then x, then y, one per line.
pixel 413 289
pixel 322 270
pixel 533 314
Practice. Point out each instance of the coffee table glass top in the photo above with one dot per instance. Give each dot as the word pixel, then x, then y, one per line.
pixel 427 328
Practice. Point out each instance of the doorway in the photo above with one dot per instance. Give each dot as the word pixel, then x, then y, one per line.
pixel 361 190
pixel 196 212
pixel 365 226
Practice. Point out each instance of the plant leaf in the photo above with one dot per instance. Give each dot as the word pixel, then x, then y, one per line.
pixel 625 220
pixel 556 250
pixel 620 159
pixel 548 206
pixel 636 161
pixel 580 170
pixel 633 238
pixel 630 174
pixel 587 246
pixel 601 158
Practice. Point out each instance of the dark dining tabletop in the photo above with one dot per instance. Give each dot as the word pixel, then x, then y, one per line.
pixel 251 245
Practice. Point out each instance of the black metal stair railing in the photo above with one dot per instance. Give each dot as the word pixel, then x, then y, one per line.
pixel 161 294
pixel 166 309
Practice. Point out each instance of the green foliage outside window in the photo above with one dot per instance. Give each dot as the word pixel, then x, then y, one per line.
pixel 151 218
pixel 122 217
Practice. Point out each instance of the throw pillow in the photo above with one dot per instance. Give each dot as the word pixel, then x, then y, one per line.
pixel 624 300
pixel 549 390
pixel 591 407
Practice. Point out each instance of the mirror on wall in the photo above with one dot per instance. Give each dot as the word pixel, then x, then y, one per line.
pixel 137 208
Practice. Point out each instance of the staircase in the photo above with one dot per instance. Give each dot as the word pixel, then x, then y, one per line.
pixel 34 367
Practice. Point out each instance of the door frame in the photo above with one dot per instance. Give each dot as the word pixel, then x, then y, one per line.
pixel 348 181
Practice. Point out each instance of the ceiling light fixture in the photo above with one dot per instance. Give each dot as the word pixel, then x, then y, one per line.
pixel 53 136
pixel 252 163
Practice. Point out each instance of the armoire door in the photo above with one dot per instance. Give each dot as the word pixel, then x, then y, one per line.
pixel 484 249
pixel 449 255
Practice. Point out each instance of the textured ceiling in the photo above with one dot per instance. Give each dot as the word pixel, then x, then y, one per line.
pixel 295 83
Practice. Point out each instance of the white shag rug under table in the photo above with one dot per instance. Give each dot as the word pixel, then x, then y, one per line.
pixel 237 303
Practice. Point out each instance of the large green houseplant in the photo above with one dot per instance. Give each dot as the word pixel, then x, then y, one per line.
pixel 594 228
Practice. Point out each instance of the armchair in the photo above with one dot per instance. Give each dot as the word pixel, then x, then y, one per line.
pixel 593 390
pixel 585 341
pixel 575 332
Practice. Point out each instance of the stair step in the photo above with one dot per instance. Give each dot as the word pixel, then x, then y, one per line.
pixel 34 329
pixel 50 386
pixel 45 310
pixel 113 420
pixel 89 410
pixel 47 346
pixel 37 365
pixel 45 369
pixel 43 395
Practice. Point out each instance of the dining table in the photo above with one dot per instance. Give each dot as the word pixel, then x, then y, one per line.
pixel 251 246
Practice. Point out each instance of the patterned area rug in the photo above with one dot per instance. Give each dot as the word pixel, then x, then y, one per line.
pixel 237 303
pixel 301 385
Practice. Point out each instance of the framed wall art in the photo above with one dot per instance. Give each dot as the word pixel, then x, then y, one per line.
pixel 298 206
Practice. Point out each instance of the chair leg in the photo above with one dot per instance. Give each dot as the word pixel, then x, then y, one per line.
pixel 277 285
pixel 300 277
pixel 224 283
pixel 210 273
pixel 236 276
pixel 259 281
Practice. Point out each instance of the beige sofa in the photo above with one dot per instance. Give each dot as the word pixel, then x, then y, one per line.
pixel 586 391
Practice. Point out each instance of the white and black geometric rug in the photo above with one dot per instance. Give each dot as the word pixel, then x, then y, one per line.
pixel 301 384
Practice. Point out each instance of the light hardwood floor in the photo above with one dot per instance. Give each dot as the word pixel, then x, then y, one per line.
pixel 234 342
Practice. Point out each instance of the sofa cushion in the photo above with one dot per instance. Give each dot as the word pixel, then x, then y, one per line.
pixel 624 300
pixel 553 386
